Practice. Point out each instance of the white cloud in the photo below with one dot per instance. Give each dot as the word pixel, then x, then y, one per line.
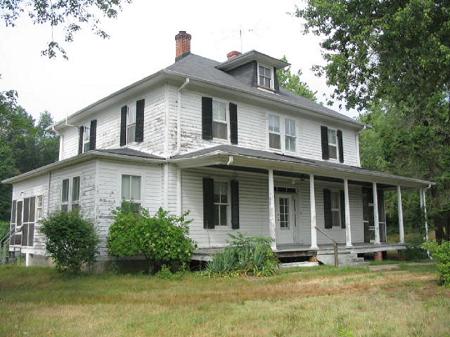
pixel 142 42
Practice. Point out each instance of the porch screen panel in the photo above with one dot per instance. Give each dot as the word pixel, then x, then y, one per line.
pixel 18 234
pixel 342 204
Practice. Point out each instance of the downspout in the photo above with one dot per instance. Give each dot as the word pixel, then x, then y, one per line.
pixel 186 82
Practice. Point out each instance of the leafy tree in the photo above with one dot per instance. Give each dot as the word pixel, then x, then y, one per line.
pixel 383 49
pixel 293 83
pixel 71 240
pixel 162 239
pixel 72 15
pixel 23 145
pixel 392 59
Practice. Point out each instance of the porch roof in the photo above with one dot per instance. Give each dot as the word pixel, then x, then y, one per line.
pixel 239 156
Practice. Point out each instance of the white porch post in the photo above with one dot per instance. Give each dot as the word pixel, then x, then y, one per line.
pixel 272 223
pixel 423 206
pixel 376 218
pixel 348 228
pixel 401 229
pixel 312 201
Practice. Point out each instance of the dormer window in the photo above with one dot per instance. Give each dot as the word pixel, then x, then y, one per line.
pixel 265 77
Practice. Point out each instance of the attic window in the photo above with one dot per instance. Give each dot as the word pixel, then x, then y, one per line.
pixel 265 77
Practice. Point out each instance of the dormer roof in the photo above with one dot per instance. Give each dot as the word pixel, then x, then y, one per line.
pixel 251 56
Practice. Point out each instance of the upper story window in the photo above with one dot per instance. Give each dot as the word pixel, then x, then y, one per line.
pixel 290 135
pixel 131 188
pixel 131 125
pixel 220 203
pixel 332 144
pixel 86 138
pixel 220 125
pixel 265 77
pixel 274 132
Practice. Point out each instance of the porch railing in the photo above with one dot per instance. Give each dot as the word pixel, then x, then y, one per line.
pixel 335 246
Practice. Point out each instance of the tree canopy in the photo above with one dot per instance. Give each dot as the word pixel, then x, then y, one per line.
pixel 292 82
pixel 71 15
pixel 24 144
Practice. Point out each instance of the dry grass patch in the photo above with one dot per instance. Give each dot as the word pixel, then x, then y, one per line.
pixel 315 302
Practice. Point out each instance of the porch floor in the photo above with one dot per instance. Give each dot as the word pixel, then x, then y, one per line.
pixel 298 250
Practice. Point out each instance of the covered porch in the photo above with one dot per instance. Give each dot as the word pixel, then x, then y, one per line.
pixel 303 185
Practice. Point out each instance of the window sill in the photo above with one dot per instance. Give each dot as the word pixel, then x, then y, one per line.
pixel 265 89
pixel 220 228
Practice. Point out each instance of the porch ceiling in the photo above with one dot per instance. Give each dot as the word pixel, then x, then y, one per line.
pixel 230 155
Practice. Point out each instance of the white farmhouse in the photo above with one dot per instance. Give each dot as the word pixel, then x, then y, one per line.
pixel 224 141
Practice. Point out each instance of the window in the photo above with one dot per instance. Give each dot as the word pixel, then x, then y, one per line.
pixel 86 138
pixel 274 132
pixel 131 125
pixel 29 208
pixel 131 188
pixel 220 203
pixel 39 203
pixel 332 144
pixel 76 193
pixel 65 195
pixel 220 126
pixel 284 213
pixel 265 77
pixel 290 136
pixel 336 208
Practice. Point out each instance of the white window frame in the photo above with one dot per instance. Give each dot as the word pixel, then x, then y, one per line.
pixel 333 145
pixel 70 202
pixel 336 210
pixel 39 213
pixel 131 111
pixel 287 135
pixel 86 138
pixel 279 133
pixel 227 119
pixel 272 78
pixel 227 204
pixel 131 175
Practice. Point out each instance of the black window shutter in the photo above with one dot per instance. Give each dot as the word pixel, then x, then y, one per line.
pixel 93 135
pixel 342 195
pixel 340 145
pixel 208 203
pixel 327 208
pixel 123 125
pixel 207 118
pixel 234 184
pixel 80 140
pixel 233 124
pixel 324 138
pixel 139 135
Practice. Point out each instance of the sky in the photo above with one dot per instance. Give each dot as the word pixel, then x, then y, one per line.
pixel 142 42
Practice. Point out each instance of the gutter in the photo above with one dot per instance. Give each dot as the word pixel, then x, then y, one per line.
pixel 186 82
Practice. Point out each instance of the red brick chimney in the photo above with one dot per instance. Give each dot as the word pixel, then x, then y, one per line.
pixel 232 54
pixel 183 44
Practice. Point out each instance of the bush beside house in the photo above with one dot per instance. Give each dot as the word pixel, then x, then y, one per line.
pixel 440 253
pixel 71 241
pixel 245 255
pixel 162 238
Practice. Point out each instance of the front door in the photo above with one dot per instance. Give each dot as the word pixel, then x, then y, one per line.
pixel 285 218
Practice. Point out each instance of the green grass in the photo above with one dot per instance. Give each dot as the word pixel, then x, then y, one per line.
pixel 322 301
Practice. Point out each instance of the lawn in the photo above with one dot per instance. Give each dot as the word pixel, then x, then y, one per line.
pixel 322 301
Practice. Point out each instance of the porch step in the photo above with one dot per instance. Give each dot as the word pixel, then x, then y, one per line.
pixel 298 264
pixel 344 259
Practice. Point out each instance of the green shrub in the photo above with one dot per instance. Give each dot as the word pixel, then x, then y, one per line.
pixel 245 255
pixel 70 240
pixel 440 253
pixel 162 239
pixel 4 228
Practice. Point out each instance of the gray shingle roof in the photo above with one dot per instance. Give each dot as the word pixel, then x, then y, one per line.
pixel 204 69
pixel 125 151
pixel 259 154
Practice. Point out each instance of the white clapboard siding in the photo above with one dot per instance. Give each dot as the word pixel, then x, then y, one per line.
pixel 109 186
pixel 108 125
pixel 253 208
pixel 252 128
